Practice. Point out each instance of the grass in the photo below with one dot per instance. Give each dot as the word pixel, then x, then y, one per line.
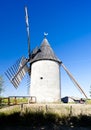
pixel 27 119
pixel 88 101
pixel 39 118
pixel 41 115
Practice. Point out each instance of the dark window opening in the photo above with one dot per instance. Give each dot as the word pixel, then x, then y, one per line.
pixel 41 77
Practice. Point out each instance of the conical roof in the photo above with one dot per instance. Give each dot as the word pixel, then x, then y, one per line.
pixel 45 52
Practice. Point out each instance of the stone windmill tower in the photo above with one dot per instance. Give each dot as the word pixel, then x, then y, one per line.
pixel 45 74
pixel 43 68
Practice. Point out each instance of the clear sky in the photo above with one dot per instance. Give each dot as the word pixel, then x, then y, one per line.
pixel 68 23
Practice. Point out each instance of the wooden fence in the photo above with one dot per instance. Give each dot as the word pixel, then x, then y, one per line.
pixel 14 100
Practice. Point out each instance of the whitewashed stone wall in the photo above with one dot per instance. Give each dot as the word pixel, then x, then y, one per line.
pixel 45 81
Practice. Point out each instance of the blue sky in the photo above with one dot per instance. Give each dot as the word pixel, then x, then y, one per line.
pixel 68 23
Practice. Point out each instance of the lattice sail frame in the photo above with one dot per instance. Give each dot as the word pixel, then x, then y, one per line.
pixel 16 72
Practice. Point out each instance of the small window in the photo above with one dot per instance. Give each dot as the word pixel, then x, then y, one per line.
pixel 41 77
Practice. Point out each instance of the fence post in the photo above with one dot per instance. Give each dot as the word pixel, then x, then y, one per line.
pixel 70 111
pixel 46 108
pixel 8 101
pixel 21 106
pixel 15 101
pixel 0 101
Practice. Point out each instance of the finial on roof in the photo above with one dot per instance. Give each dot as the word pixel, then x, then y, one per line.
pixel 45 34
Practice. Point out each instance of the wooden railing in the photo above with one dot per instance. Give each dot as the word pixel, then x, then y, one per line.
pixel 14 100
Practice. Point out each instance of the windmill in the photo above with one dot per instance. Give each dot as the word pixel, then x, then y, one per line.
pixel 43 68
pixel 16 73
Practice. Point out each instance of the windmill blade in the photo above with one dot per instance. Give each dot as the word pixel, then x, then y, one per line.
pixel 16 73
pixel 74 81
pixel 28 84
pixel 28 31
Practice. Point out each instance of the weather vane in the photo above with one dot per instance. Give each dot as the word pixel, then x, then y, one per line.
pixel 45 34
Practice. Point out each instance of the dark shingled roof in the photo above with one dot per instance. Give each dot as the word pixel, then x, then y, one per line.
pixel 45 52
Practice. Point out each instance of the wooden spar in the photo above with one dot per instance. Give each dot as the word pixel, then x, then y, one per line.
pixel 74 81
pixel 28 32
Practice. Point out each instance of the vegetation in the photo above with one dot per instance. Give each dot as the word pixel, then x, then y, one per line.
pixel 90 91
pixel 46 115
pixel 1 85
pixel 88 101
pixel 26 117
